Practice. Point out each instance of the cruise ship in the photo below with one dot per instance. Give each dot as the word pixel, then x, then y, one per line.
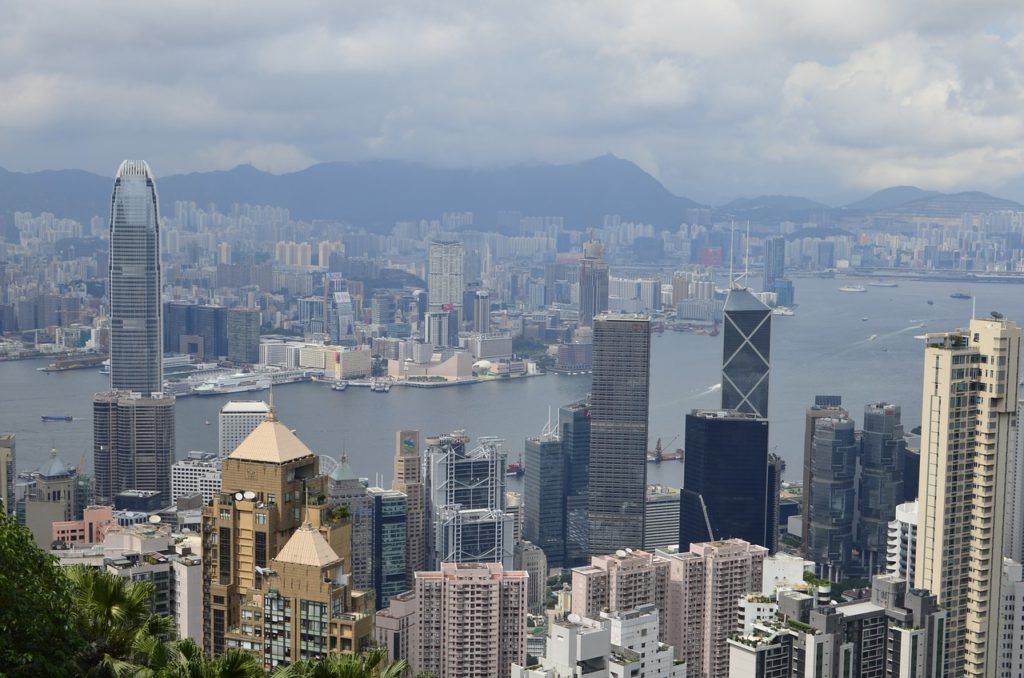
pixel 241 382
pixel 852 288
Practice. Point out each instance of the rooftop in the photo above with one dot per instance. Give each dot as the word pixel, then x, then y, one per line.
pixel 245 407
pixel 308 547
pixel 271 442
pixel 740 299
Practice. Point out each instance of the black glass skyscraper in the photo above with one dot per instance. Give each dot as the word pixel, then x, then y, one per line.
pixel 882 460
pixel 746 353
pixel 134 285
pixel 726 490
pixel 574 429
pixel 834 452
pixel 544 495
pixel 620 394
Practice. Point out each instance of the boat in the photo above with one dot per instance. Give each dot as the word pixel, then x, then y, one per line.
pixel 380 386
pixel 56 417
pixel 339 385
pixel 864 319
pixel 514 470
pixel 873 337
pixel 207 422
pixel 931 303
pixel 241 382
pixel 958 294
pixel 883 283
pixel 782 310
pixel 852 288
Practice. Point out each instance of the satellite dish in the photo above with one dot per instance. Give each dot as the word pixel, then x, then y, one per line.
pixel 997 315
pixel 620 553
pixel 239 496
pixel 249 494
pixel 574 618
pixel 154 519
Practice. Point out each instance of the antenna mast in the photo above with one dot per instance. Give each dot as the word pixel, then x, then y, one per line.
pixel 732 245
pixel 746 256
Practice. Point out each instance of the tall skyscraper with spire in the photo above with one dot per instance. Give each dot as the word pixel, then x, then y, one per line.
pixel 968 417
pixel 133 422
pixel 133 290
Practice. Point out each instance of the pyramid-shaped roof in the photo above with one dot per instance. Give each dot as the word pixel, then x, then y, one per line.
pixel 54 467
pixel 308 547
pixel 271 442
pixel 343 471
pixel 740 299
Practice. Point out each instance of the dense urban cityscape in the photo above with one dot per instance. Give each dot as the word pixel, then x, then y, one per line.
pixel 395 349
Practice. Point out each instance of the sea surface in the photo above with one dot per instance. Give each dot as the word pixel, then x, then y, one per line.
pixel 858 345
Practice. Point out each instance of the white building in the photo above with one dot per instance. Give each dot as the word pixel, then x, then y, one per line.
pixel 1011 648
pixel 278 353
pixel 782 571
pixel 238 418
pixel 199 473
pixel 902 544
pixel 661 517
pixel 445 277
pixel 637 631
pixel 1013 546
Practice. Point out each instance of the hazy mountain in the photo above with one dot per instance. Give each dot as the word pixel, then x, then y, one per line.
pixel 375 194
pixel 890 198
pixel 953 205
pixel 771 209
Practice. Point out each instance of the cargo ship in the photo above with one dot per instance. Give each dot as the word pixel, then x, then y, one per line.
pixel 960 295
pixel 56 417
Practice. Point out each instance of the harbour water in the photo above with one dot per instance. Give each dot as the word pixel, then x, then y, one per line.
pixel 827 347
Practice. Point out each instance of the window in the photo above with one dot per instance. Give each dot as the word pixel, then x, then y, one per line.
pixel 261 518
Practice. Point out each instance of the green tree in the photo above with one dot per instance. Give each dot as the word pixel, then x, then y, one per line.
pixel 369 664
pixel 37 638
pixel 113 616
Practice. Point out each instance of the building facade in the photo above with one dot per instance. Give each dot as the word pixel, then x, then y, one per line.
pixel 746 341
pixel 824 406
pixel 833 496
pixel 8 471
pixel 198 473
pixel 968 412
pixel 619 404
pixel 593 277
pixel 237 419
pixel 133 443
pixel 717 502
pixel 446 278
pixel 880 485
pixel 408 480
pixel 136 336
pixel 244 335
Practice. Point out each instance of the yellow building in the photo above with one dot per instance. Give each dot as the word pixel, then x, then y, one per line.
pixel 272 493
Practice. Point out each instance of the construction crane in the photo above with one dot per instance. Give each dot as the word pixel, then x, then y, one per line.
pixel 659 452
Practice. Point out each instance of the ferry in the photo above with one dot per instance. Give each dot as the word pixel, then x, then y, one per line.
pixel 380 386
pixel 339 386
pixel 852 288
pixel 883 283
pixel 233 383
pixel 56 417
pixel 783 310
pixel 960 295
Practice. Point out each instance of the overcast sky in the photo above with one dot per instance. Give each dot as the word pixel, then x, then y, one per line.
pixel 717 98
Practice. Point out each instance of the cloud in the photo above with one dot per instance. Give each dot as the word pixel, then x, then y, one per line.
pixel 719 99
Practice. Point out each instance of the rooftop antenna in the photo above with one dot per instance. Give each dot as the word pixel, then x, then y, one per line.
pixel 548 429
pixel 974 306
pixel 732 239
pixel 271 413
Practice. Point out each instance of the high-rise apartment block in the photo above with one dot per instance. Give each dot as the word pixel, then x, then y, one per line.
pixel 901 552
pixel 968 415
pixel 1013 541
pixel 8 472
pixel 346 490
pixel 471 621
pixel 446 278
pixel 619 402
pixel 717 502
pixel 198 473
pixel 387 544
pixel 774 260
pixel 238 418
pixel 272 486
pixel 1011 643
pixel 898 633
pixel 746 335
pixel 661 517
pixel 136 336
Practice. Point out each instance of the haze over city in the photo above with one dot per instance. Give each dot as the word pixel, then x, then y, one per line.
pixel 717 100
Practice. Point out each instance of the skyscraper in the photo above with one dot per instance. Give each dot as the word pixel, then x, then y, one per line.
pixel 243 328
pixel 8 472
pixel 718 501
pixel 834 453
pixel 408 480
pixel 482 312
pixel 574 431
pixel 774 260
pixel 882 455
pixel 445 277
pixel 544 495
pixel 824 406
pixel 593 282
pixel 136 336
pixel 238 418
pixel 746 348
pixel 133 423
pixel 619 401
pixel 968 411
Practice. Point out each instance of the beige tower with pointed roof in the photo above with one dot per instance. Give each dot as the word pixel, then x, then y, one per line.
pixel 270 485
pixel 307 588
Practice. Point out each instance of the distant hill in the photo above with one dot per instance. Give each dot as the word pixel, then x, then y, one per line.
pixel 377 193
pixel 890 198
pixel 772 209
pixel 953 205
